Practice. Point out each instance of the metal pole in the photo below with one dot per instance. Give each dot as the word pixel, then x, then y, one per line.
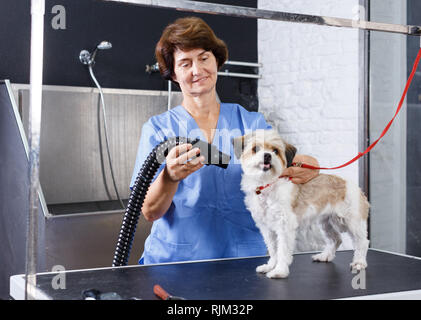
pixel 169 94
pixel 35 100
pixel 246 12
pixel 242 63
pixel 363 97
pixel 227 73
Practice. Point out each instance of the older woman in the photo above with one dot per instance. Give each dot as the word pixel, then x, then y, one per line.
pixel 198 211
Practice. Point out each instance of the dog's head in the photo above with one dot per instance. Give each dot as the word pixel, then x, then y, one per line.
pixel 263 153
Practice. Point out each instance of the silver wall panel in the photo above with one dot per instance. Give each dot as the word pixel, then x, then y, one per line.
pixel 88 240
pixel 70 155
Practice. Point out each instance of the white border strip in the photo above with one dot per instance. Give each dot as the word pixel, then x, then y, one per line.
pixel 401 295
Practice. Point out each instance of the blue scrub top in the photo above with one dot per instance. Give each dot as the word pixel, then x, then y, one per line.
pixel 207 218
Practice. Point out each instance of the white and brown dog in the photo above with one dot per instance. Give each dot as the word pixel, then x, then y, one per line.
pixel 278 210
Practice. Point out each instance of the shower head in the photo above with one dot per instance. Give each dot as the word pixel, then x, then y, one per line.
pixel 104 45
pixel 88 58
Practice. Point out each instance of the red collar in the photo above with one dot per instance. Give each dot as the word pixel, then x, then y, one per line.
pixel 260 188
pixel 294 164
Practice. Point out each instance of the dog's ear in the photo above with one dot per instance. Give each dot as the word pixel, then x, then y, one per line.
pixel 290 152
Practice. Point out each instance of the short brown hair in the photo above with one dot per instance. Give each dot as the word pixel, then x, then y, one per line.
pixel 186 34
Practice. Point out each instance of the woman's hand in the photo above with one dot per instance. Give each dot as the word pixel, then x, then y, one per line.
pixel 178 165
pixel 302 175
pixel 161 192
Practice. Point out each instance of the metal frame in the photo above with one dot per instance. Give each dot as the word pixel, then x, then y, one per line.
pixel 246 12
pixel 227 73
pixel 244 64
pixel 363 100
pixel 35 103
pixel 37 41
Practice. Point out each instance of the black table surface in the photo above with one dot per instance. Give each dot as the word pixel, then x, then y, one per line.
pixel 236 279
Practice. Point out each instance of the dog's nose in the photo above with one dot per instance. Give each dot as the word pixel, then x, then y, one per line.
pixel 267 157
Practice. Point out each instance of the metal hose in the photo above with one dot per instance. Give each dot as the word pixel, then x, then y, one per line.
pixel 101 94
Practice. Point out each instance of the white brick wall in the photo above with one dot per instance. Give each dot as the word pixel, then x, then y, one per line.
pixel 309 88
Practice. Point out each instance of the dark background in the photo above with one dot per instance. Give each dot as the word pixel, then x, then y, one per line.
pixel 133 32
pixel 413 198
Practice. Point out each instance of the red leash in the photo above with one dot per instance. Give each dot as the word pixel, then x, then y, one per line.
pixel 360 154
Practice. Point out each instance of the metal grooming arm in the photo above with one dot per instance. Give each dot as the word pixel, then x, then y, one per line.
pixel 245 12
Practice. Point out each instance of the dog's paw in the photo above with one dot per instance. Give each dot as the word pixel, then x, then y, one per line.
pixel 323 257
pixel 358 265
pixel 278 272
pixel 264 268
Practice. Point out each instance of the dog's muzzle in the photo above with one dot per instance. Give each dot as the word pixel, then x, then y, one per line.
pixel 267 162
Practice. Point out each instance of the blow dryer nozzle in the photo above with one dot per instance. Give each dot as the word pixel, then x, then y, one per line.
pixel 211 153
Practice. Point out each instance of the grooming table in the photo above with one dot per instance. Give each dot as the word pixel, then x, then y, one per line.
pixel 388 276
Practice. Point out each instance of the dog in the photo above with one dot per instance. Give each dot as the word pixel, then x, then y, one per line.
pixel 281 207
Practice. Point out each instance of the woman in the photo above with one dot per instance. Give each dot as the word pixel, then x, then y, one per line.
pixel 198 211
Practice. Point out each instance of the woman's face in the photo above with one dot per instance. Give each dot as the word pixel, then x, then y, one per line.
pixel 195 71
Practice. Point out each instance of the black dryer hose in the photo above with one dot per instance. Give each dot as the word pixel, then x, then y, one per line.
pixel 141 185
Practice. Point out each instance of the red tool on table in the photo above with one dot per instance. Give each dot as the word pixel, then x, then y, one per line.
pixel 164 295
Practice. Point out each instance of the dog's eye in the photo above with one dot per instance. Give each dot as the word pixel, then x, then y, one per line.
pixel 255 149
pixel 275 151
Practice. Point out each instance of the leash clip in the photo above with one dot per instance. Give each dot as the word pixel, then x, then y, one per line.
pixel 258 191
pixel 298 164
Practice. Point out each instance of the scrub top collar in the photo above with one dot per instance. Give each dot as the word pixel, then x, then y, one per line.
pixel 192 124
